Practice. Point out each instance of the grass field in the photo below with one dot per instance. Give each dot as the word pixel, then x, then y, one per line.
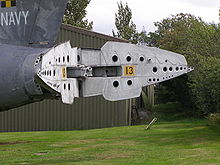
pixel 168 143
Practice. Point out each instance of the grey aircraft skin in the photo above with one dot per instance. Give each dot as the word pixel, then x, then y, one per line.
pixel 27 29
pixel 32 68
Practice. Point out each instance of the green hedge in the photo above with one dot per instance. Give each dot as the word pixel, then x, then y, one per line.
pixel 205 85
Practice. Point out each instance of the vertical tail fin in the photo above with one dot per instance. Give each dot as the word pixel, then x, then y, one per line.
pixel 30 22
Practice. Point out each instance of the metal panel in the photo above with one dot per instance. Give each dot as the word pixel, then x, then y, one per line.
pixel 53 115
pixel 85 113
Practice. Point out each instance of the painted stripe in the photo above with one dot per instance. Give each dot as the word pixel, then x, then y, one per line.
pixel 8 3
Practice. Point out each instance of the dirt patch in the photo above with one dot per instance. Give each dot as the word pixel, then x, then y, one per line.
pixel 113 155
pixel 24 163
pixel 124 143
pixel 41 153
pixel 80 142
pixel 102 145
pixel 87 141
pixel 87 147
pixel 90 141
pixel 18 142
pixel 57 145
pixel 95 143
pixel 9 143
pixel 78 149
pixel 196 152
pixel 167 140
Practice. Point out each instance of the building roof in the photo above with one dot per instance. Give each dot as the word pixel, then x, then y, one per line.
pixel 91 33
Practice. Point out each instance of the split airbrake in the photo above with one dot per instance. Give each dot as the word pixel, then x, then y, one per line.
pixel 33 68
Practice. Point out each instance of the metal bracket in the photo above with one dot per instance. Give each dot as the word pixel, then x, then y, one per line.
pixel 79 72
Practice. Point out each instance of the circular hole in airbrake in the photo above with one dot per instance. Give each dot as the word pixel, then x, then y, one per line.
pixel 128 58
pixel 141 59
pixel 115 58
pixel 165 69
pixel 115 84
pixel 129 82
pixel 154 69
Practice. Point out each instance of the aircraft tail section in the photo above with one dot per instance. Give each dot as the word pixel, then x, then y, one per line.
pixel 30 22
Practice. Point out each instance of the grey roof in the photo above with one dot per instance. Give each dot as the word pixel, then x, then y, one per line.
pixel 91 33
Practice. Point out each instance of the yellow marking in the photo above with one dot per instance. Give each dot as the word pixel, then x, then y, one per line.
pixel 129 70
pixel 64 75
pixel 8 3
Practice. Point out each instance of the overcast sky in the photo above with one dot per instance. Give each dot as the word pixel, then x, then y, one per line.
pixel 145 12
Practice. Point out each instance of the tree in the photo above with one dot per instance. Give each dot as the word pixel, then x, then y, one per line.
pixel 186 34
pixel 200 43
pixel 143 38
pixel 76 12
pixel 173 34
pixel 205 86
pixel 126 28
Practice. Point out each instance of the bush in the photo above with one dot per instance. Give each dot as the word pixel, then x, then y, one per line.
pixel 172 111
pixel 214 119
pixel 205 86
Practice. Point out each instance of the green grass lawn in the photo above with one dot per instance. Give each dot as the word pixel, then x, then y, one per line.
pixel 168 143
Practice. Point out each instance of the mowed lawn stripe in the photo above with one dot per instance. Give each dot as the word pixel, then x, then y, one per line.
pixel 181 142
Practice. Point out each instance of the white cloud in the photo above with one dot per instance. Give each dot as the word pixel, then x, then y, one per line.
pixel 145 12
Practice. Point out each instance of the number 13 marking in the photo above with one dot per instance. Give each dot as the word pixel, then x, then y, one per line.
pixel 129 70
